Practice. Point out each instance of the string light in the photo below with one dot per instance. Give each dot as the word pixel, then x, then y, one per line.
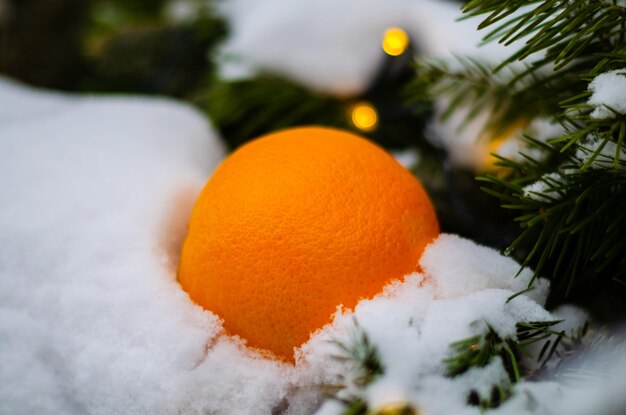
pixel 364 116
pixel 395 41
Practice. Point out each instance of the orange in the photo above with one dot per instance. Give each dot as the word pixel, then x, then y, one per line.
pixel 296 223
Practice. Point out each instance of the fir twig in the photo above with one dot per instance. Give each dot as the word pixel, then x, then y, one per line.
pixel 363 366
pixel 570 228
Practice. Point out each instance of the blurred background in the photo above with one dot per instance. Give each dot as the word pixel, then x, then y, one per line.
pixel 255 67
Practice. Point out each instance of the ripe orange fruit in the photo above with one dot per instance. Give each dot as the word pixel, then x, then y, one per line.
pixel 295 223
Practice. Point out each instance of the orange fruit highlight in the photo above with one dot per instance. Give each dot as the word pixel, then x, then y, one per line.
pixel 295 223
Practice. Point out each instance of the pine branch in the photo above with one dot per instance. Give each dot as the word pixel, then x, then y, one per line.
pixel 567 202
pixel 572 220
pixel 562 30
pixel 478 351
pixel 559 349
pixel 361 356
pixel 364 367
pixel 510 98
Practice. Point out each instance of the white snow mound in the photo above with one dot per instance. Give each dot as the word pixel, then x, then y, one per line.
pixel 95 195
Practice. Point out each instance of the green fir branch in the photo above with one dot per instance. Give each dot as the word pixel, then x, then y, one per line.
pixel 510 98
pixel 571 227
pixel 361 356
pixel 363 367
pixel 479 350
pixel 562 30
pixel 363 364
pixel 572 222
pixel 558 349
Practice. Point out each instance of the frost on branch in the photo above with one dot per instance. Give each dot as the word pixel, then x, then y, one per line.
pixel 609 94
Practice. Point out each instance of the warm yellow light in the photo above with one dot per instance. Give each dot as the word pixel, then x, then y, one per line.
pixel 495 146
pixel 396 409
pixel 395 41
pixel 364 116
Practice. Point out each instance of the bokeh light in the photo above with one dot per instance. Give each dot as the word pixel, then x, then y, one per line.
pixel 364 116
pixel 395 41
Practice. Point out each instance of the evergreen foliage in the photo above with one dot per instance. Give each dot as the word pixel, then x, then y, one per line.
pixel 361 358
pixel 364 366
pixel 479 350
pixel 539 350
pixel 569 200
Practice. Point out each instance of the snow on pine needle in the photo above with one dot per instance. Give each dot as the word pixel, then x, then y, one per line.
pixel 608 92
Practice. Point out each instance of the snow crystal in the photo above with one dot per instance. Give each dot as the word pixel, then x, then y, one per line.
pixel 608 94
pixel 96 193
pixel 542 189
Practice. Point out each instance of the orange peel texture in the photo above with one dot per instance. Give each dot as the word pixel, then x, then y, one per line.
pixel 295 223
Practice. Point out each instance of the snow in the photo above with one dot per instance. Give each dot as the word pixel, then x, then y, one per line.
pixel 20 104
pixel 608 94
pixel 543 190
pixel 96 192
pixel 481 267
pixel 572 316
pixel 412 329
pixel 335 46
pixel 605 157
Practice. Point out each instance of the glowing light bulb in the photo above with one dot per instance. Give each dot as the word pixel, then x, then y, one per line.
pixel 364 116
pixel 395 41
